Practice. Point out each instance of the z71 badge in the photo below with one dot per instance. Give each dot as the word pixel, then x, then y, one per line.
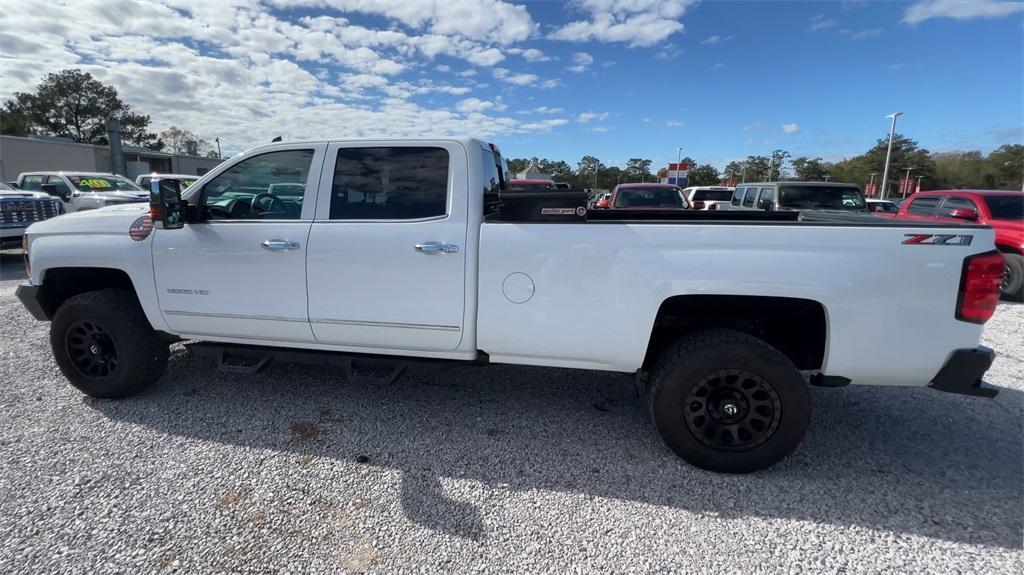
pixel 937 240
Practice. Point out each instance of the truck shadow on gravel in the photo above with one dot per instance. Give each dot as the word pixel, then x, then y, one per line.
pixel 912 461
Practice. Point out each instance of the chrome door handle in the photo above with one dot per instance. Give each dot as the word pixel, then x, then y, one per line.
pixel 279 245
pixel 437 248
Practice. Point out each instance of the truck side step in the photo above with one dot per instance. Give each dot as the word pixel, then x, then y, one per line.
pixel 380 371
pixel 242 361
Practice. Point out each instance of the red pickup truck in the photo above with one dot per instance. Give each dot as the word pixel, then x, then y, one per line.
pixel 1003 210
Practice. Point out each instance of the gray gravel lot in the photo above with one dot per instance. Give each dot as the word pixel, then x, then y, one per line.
pixel 486 470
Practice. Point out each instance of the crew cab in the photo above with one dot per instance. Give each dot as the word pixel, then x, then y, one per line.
pixel 648 196
pixel 709 197
pixel 19 209
pixel 84 190
pixel 1002 210
pixel 402 254
pixel 798 196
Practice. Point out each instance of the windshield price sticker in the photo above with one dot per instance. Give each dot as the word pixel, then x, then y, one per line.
pixel 95 183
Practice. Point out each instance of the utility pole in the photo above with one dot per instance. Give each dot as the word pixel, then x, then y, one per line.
pixel 888 154
pixel 217 139
pixel 743 177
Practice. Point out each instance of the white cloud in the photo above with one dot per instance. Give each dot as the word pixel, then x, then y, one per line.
pixel 505 75
pixel 959 10
pixel 635 22
pixel 669 52
pixel 715 39
pixel 820 22
pixel 753 126
pixel 542 110
pixel 473 105
pixel 549 84
pixel 587 117
pixel 790 128
pixel 241 71
pixel 580 62
pixel 530 54
pixel 673 124
pixel 861 34
pixel 599 129
pixel 717 66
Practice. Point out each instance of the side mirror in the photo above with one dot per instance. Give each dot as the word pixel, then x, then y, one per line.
pixel 764 204
pixel 165 206
pixel 52 190
pixel 14 185
pixel 968 214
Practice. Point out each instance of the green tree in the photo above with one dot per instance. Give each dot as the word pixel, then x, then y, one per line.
pixel 1005 167
pixel 777 162
pixel 905 154
pixel 638 169
pixel 810 170
pixel 517 165
pixel 74 105
pixel 735 170
pixel 588 168
pixel 703 175
pixel 757 168
pixel 14 120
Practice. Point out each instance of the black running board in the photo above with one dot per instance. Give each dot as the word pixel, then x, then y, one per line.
pixel 359 368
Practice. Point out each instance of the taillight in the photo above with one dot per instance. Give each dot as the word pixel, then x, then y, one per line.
pixel 980 280
pixel 698 205
pixel 24 249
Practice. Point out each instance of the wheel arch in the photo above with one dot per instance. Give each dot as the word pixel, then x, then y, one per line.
pixel 797 327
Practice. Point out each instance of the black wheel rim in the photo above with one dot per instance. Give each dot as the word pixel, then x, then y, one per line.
pixel 732 410
pixel 1004 285
pixel 91 349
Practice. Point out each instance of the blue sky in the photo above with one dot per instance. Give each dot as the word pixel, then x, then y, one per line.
pixel 612 78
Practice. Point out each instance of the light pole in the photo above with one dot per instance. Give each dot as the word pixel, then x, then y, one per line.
pixel 919 178
pixel 908 181
pixel 679 160
pixel 888 154
pixel 217 139
pixel 743 176
pixel 771 167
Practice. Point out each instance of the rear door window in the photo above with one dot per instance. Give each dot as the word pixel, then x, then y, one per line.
pixel 737 196
pixel 748 199
pixel 766 194
pixel 390 183
pixel 923 206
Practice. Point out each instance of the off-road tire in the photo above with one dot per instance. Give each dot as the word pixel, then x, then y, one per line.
pixel 774 385
pixel 128 355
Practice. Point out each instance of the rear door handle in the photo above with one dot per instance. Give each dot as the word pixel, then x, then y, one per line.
pixel 278 245
pixel 436 248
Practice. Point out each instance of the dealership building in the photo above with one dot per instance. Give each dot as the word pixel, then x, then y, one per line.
pixel 36 154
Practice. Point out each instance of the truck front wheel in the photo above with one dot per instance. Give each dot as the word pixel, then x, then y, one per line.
pixel 105 346
pixel 726 401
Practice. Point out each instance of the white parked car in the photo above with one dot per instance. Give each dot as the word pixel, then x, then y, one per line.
pixel 180 181
pixel 19 209
pixel 397 252
pixel 79 191
pixel 709 197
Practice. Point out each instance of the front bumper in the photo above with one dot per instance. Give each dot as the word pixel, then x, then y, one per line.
pixel 963 372
pixel 32 298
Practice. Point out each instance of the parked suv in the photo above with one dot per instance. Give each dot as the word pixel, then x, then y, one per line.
pixel 798 196
pixel 648 197
pixel 1003 210
pixel 19 209
pixel 84 190
pixel 709 197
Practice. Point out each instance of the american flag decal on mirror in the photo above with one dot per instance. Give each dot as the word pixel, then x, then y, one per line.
pixel 140 228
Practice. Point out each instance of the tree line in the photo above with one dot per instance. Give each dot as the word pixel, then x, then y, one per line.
pixel 1003 168
pixel 73 104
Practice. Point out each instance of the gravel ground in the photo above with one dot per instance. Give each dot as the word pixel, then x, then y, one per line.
pixel 486 470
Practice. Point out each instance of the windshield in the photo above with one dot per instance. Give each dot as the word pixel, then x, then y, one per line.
pixel 650 198
pixel 104 184
pixel 712 195
pixel 821 198
pixel 1006 207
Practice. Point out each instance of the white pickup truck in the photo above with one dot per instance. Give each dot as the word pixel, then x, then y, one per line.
pixel 379 254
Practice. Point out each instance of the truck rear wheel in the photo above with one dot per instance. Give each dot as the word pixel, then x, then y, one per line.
pixel 105 346
pixel 1012 287
pixel 726 401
